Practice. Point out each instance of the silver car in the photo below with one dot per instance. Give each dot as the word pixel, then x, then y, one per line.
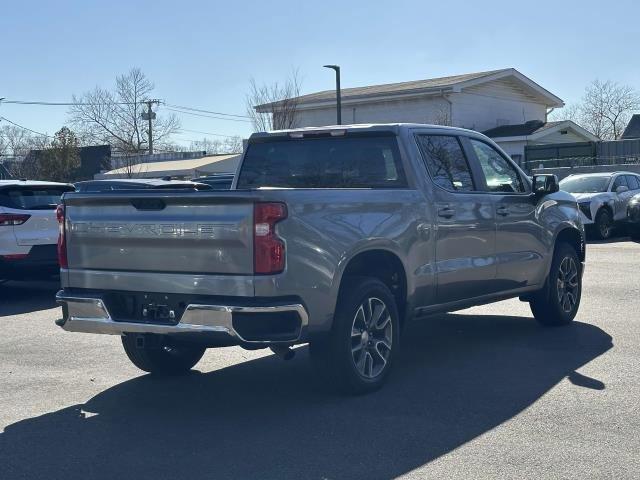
pixel 603 198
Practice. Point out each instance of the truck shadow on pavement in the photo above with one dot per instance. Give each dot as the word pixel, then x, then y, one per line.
pixel 458 377
pixel 25 297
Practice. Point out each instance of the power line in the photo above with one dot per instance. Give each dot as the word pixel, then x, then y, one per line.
pixel 182 139
pixel 98 104
pixel 25 128
pixel 206 111
pixel 67 104
pixel 207 116
pixel 208 133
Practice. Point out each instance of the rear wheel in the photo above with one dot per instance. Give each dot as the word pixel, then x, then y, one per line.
pixel 163 357
pixel 558 302
pixel 604 224
pixel 358 354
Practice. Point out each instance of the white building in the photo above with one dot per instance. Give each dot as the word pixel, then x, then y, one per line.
pixel 513 138
pixel 479 101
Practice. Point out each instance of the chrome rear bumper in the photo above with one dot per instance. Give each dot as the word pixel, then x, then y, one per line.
pixel 90 315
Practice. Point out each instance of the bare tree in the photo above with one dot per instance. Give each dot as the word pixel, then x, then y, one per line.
pixel 115 116
pixel 274 107
pixel 18 143
pixel 4 145
pixel 604 110
pixel 131 166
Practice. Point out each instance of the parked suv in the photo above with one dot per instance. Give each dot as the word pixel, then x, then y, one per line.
pixel 331 236
pixel 603 198
pixel 633 216
pixel 28 228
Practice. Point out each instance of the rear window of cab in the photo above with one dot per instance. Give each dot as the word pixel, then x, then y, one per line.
pixel 350 161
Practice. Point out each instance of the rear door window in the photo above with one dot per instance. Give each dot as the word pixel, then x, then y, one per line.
pixel 32 198
pixel 349 161
pixel 446 162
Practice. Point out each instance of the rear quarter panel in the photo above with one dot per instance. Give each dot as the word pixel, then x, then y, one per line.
pixel 327 228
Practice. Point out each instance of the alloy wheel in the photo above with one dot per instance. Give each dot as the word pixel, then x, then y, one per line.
pixel 568 284
pixel 371 337
pixel 605 226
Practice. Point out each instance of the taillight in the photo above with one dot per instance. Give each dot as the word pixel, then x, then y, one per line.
pixel 7 219
pixel 62 238
pixel 268 248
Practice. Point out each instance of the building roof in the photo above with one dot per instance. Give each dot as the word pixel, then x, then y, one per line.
pixel 633 128
pixel 536 129
pixel 520 129
pixel 430 85
pixel 172 167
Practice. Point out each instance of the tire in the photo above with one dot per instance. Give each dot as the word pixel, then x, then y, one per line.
pixel 558 302
pixel 603 224
pixel 358 354
pixel 162 359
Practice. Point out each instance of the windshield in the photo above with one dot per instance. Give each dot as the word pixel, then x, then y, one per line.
pixel 371 161
pixel 32 198
pixel 585 184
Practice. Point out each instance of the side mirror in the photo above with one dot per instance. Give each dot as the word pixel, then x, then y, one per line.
pixel 622 189
pixel 545 183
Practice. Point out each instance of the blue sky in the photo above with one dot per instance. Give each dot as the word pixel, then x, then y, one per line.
pixel 203 53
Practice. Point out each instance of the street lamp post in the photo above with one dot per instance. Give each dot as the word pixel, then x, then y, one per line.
pixel 338 99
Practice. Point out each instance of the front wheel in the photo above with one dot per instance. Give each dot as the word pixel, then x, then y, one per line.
pixel 558 302
pixel 603 224
pixel 163 357
pixel 358 354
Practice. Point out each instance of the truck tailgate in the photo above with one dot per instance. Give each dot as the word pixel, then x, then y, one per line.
pixel 189 232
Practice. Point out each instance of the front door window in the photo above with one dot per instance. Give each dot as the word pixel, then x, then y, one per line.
pixel 500 175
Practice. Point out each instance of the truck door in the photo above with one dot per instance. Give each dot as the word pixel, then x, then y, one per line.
pixel 465 222
pixel 520 247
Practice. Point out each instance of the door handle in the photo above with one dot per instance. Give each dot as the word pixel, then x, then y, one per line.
pixel 502 211
pixel 446 212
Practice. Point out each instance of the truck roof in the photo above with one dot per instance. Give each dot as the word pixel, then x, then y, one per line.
pixel 363 127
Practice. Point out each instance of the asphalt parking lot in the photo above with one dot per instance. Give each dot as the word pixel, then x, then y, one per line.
pixel 482 393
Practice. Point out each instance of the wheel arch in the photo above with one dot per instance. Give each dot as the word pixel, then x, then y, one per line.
pixel 606 206
pixel 573 237
pixel 386 266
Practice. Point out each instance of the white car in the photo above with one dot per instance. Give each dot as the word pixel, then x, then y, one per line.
pixel 603 197
pixel 29 228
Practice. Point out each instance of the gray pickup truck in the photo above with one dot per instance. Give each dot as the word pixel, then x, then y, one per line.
pixel 331 236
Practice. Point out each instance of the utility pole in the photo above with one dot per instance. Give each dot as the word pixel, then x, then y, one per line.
pixel 150 116
pixel 338 93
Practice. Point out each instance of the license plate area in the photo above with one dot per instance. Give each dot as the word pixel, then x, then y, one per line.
pixel 155 308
